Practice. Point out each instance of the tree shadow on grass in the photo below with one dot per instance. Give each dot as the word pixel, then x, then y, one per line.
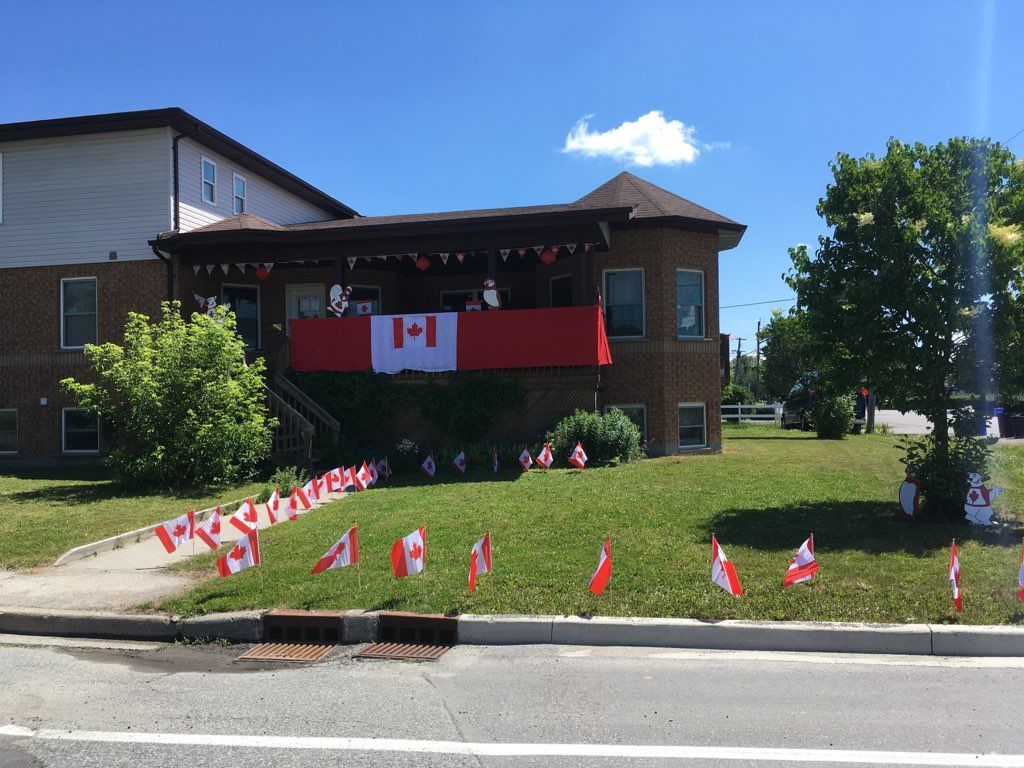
pixel 82 485
pixel 866 526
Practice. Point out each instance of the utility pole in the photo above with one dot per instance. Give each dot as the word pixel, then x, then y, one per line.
pixel 739 344
pixel 757 364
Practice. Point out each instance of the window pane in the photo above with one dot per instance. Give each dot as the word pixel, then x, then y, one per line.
pixel 209 172
pixel 244 303
pixel 691 425
pixel 239 186
pixel 626 320
pixel 689 321
pixel 623 301
pixel 689 304
pixel 239 205
pixel 8 431
pixel 624 287
pixel 81 431
pixel 209 194
pixel 79 296
pixel 79 330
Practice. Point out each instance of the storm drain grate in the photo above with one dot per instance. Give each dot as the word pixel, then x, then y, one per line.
pixel 402 651
pixel 287 652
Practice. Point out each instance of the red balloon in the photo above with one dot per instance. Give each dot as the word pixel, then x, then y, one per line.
pixel 262 272
pixel 548 256
pixel 422 263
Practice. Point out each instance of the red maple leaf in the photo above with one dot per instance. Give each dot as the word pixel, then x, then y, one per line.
pixel 238 552
pixel 215 527
pixel 179 531
pixel 414 330
pixel 974 495
pixel 249 516
pixel 415 551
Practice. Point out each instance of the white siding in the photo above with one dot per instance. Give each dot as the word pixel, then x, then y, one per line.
pixel 73 199
pixel 263 199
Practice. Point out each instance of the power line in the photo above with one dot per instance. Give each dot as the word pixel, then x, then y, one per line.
pixel 1018 133
pixel 755 303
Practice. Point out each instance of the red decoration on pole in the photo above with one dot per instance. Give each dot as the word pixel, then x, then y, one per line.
pixel 548 256
pixel 262 273
pixel 422 263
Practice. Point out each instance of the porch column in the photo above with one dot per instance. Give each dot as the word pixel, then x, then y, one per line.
pixel 588 276
pixel 492 262
pixel 339 270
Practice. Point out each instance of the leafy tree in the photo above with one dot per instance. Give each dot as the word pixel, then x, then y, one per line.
pixel 183 405
pixel 786 353
pixel 922 264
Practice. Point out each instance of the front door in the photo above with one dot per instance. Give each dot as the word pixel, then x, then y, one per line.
pixel 304 300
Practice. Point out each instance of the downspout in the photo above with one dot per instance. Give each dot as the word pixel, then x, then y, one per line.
pixel 170 272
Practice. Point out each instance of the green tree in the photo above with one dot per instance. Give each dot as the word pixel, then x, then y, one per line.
pixel 786 353
pixel 183 406
pixel 922 265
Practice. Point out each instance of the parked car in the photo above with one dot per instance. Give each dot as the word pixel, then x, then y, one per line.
pixel 798 406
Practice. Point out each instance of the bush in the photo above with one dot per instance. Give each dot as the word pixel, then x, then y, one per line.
pixel 736 394
pixel 942 471
pixel 284 478
pixel 361 401
pixel 607 438
pixel 832 416
pixel 184 407
pixel 465 409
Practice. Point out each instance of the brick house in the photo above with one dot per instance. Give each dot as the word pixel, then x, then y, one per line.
pixel 107 214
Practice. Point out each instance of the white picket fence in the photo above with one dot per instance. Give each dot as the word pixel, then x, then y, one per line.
pixel 763 412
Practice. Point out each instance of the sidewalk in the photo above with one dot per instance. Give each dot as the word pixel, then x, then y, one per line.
pixel 116 579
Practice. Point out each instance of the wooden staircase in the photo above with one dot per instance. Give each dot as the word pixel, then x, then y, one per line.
pixel 300 421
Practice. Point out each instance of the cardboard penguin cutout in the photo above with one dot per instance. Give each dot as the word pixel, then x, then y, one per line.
pixel 978 503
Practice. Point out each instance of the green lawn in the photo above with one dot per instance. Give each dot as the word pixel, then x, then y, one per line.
pixel 761 495
pixel 46 512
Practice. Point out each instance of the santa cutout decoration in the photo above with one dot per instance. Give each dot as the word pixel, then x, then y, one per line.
pixel 176 532
pixel 803 566
pixel 209 532
pixel 409 554
pixel 723 573
pixel 978 504
pixel 954 578
pixel 525 459
pixel 604 569
pixel 578 457
pixel 545 458
pixel 207 305
pixel 245 554
pixel 429 466
pixel 490 295
pixel 459 462
pixel 344 552
pixel 479 559
pixel 339 299
pixel 910 495
pixel 245 518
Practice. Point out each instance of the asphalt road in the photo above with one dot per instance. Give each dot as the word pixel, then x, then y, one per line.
pixel 524 706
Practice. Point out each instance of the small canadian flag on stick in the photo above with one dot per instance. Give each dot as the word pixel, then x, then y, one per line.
pixel 604 568
pixel 1020 574
pixel 176 532
pixel 429 466
pixel 723 573
pixel 245 554
pixel 479 559
pixel 494 459
pixel 274 505
pixel 545 457
pixel 209 532
pixel 803 566
pixel 578 457
pixel 374 472
pixel 245 518
pixel 525 459
pixel 364 477
pixel 459 462
pixel 344 552
pixel 954 578
pixel 298 498
pixel 409 554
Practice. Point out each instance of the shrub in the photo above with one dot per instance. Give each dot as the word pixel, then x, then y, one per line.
pixel 284 478
pixel 832 416
pixel 736 394
pixel 182 403
pixel 607 438
pixel 942 470
pixel 465 409
pixel 361 401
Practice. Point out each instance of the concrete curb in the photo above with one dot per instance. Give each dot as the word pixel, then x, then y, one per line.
pixel 117 626
pixel 236 626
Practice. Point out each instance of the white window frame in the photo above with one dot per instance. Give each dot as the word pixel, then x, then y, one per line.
pixel 703 305
pixel 97 289
pixel 704 411
pixel 551 284
pixel 259 310
pixel 643 298
pixel 203 160
pixel 63 433
pixel 1 187
pixel 235 196
pixel 17 432
pixel 641 406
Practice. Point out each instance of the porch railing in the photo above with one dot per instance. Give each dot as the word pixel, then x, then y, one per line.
pixel 293 436
pixel 310 410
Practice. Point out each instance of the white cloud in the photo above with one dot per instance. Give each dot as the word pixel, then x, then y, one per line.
pixel 648 140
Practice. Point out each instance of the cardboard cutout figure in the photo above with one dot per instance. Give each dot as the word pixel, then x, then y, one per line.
pixel 978 504
pixel 339 299
pixel 910 495
pixel 490 295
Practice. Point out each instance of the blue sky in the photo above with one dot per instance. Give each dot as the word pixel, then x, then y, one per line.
pixel 403 107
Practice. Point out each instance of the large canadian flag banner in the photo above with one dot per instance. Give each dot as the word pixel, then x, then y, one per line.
pixel 414 342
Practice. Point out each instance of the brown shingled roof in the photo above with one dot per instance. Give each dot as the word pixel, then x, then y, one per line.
pixel 243 221
pixel 421 218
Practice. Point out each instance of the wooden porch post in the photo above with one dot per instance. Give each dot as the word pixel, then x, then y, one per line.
pixel 588 276
pixel 339 270
pixel 492 262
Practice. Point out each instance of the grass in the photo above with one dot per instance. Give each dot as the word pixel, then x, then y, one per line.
pixel 46 512
pixel 761 496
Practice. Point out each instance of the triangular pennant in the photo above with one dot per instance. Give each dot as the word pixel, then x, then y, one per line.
pixel 225 267
pixel 461 257
pixel 538 249
pixel 504 253
pixel 196 268
pixel 571 247
pixel 521 252
pixel 209 268
pixel 444 258
pixel 351 261
pixel 268 266
pixel 241 268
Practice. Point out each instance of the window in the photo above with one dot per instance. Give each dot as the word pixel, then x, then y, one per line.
pixel 689 304
pixel 370 293
pixel 624 303
pixel 209 181
pixel 78 312
pixel 455 301
pixel 81 431
pixel 8 431
pixel 637 413
pixel 238 183
pixel 244 301
pixel 691 425
pixel 561 291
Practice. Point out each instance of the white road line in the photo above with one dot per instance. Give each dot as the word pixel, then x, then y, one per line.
pixel 488 749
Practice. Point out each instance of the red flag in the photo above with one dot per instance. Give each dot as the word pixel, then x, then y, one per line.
pixel 954 578
pixel 344 552
pixel 209 532
pixel 803 566
pixel 604 568
pixel 245 554
pixel 479 559
pixel 176 532
pixel 723 573
pixel 409 554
